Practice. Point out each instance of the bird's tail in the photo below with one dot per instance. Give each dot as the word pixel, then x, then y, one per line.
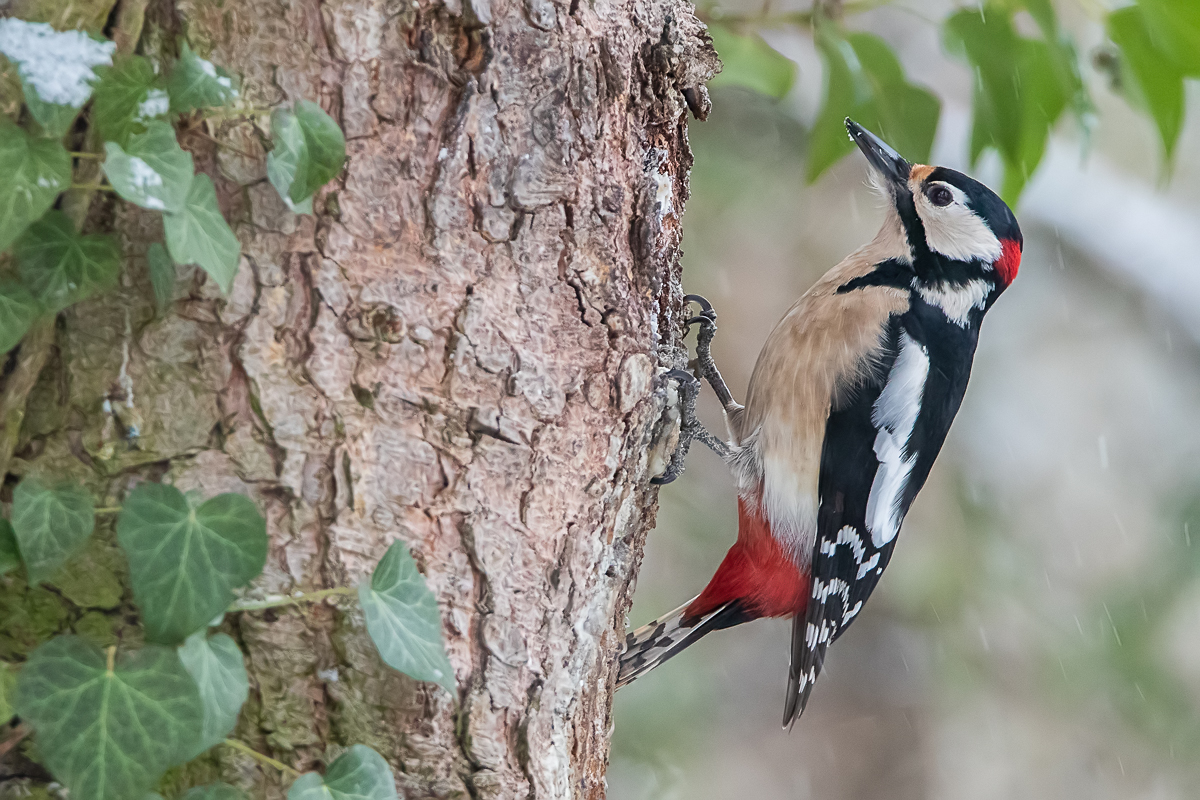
pixel 656 641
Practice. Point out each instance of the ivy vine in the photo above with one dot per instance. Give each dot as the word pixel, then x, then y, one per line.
pixel 108 723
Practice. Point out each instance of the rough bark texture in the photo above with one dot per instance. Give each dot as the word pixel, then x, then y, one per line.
pixel 461 349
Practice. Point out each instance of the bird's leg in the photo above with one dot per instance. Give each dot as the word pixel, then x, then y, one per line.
pixel 690 427
pixel 705 365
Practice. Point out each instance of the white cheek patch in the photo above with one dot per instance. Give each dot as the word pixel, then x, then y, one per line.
pixel 894 416
pixel 956 231
pixel 956 301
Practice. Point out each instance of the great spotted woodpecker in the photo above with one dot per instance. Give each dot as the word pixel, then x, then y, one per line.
pixel 847 408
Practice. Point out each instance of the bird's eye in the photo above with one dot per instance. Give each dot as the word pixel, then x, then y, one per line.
pixel 940 196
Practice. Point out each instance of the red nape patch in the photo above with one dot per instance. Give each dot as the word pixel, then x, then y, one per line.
pixel 1010 260
pixel 757 571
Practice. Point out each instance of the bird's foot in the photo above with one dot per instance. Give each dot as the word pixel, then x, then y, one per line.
pixel 705 365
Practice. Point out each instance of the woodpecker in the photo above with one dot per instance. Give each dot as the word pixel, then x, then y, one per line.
pixel 848 405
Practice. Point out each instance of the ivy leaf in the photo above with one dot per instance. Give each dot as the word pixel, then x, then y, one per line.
pixel 215 664
pixel 10 558
pixel 403 619
pixel 162 275
pixel 866 83
pixel 751 63
pixel 200 235
pixel 18 310
pixel 153 172
pixel 184 563
pixel 56 69
pixel 35 172
pixel 357 774
pixel 196 83
pixel 214 791
pixel 8 682
pixel 1150 80
pixel 108 729
pixel 60 267
pixel 1174 26
pixel 308 152
pixel 50 524
pixel 127 98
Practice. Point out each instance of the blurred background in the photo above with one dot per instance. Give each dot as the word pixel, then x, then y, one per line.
pixel 1037 634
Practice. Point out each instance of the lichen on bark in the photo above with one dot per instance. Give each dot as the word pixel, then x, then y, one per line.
pixel 462 348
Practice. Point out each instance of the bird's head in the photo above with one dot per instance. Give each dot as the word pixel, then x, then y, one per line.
pixel 957 230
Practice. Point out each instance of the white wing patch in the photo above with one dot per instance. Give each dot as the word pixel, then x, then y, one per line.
pixel 956 302
pixel 894 416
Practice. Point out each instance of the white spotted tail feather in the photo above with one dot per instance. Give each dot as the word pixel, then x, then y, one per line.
pixel 659 639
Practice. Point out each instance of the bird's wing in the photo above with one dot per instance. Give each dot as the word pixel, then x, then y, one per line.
pixel 869 475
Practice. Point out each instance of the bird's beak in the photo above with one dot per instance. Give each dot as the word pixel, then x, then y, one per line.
pixel 883 158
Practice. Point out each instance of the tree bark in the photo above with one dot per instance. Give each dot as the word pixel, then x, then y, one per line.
pixel 460 349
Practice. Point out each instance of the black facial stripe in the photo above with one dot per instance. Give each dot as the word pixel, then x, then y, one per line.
pixel 892 272
pixel 914 229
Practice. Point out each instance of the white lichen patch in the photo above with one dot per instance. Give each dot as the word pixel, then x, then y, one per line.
pixel 57 65
pixel 664 183
pixel 156 104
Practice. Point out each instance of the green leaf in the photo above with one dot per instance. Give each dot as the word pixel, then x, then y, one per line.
pixel 214 791
pixel 128 97
pixel 8 682
pixel 403 619
pixel 152 171
pixel 10 557
pixel 18 310
pixel 55 69
pixel 1022 87
pixel 866 83
pixel 54 120
pixel 35 172
pixel 108 734
pixel 1150 80
pixel 1042 12
pixel 196 83
pixel 200 235
pixel 1174 26
pixel 751 63
pixel 60 267
pixel 162 275
pixel 50 524
pixel 215 664
pixel 308 152
pixel 184 563
pixel 357 774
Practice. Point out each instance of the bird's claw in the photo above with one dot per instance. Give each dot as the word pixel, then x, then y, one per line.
pixel 689 388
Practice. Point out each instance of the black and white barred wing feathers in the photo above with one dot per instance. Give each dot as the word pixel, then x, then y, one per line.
pixel 868 466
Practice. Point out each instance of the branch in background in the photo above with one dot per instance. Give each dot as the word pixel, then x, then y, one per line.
pixel 829 9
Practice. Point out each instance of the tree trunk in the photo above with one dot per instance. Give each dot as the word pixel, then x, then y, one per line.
pixel 461 349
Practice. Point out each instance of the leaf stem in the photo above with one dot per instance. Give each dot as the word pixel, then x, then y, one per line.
pixel 257 756
pixel 92 187
pixel 107 510
pixel 110 658
pixel 231 113
pixel 222 145
pixel 78 154
pixel 296 599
